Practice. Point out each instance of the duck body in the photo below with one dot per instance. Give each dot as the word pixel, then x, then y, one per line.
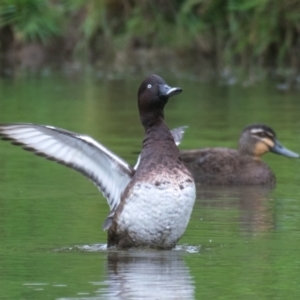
pixel 157 204
pixel 151 203
pixel 225 166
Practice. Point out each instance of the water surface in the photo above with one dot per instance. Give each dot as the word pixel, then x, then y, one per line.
pixel 240 242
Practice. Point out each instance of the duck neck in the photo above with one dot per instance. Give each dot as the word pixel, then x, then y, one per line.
pixel 152 118
pixel 247 151
pixel 159 141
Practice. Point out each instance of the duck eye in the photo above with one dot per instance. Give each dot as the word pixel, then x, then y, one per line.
pixel 262 134
pixel 149 86
pixel 265 135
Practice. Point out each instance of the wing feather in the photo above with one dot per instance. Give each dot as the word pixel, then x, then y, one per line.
pixel 106 170
pixel 178 133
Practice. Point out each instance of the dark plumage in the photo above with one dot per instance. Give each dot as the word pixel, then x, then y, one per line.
pixel 224 166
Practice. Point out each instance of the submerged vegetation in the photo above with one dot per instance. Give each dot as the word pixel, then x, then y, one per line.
pixel 226 33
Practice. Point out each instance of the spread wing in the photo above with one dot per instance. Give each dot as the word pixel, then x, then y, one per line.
pixel 178 134
pixel 106 170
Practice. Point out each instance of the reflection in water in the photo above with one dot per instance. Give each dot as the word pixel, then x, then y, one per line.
pixel 253 203
pixel 147 274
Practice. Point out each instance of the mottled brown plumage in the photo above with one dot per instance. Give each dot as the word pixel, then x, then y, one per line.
pixel 224 166
pixel 160 165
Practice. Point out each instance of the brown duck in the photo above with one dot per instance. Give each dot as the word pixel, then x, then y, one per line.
pixel 224 166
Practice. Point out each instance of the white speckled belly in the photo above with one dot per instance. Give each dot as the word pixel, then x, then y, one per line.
pixel 157 215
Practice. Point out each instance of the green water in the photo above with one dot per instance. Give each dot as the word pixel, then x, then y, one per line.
pixel 240 243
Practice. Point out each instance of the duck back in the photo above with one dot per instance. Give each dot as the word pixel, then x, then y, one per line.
pixel 223 166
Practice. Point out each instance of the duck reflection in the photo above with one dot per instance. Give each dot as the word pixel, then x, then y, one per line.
pixel 254 204
pixel 146 274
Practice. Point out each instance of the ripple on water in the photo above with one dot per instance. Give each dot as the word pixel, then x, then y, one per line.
pixel 103 247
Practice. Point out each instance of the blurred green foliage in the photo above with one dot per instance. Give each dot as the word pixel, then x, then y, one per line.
pixel 32 19
pixel 244 32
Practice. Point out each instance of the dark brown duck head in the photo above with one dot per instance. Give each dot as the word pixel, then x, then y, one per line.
pixel 153 95
pixel 258 139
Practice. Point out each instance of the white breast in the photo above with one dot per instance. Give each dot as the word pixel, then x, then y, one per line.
pixel 157 215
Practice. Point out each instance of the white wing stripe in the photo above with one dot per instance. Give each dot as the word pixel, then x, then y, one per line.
pixel 117 159
pixel 107 171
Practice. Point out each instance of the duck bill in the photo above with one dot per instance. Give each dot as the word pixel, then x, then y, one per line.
pixel 167 91
pixel 279 149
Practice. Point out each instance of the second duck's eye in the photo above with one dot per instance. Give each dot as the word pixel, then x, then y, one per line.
pixel 260 134
pixel 263 135
pixel 149 86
